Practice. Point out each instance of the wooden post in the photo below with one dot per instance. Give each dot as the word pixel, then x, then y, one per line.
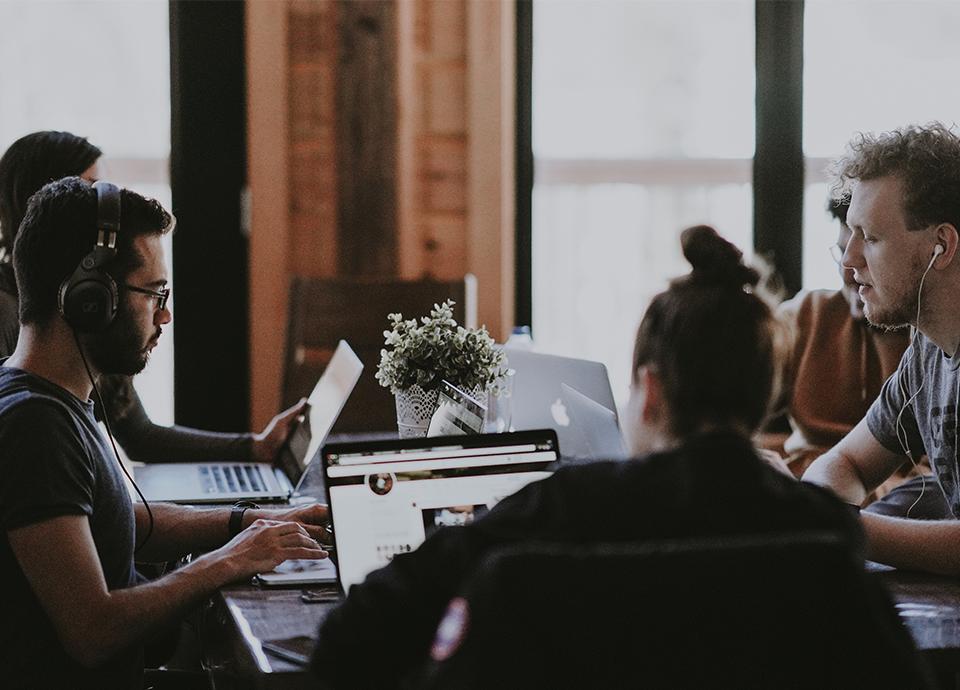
pixel 268 166
pixel 491 122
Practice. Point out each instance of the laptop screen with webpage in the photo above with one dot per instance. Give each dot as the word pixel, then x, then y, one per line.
pixel 386 497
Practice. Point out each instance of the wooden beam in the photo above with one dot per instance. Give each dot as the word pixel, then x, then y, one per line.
pixel 268 175
pixel 491 178
pixel 367 137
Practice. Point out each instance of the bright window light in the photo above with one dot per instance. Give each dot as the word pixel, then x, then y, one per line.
pixel 100 70
pixel 643 124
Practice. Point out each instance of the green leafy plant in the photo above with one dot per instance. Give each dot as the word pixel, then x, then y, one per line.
pixel 436 349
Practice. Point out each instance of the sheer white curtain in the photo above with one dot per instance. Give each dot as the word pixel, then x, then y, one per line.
pixel 643 123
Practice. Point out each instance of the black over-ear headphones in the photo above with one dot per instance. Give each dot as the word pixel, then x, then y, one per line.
pixel 88 297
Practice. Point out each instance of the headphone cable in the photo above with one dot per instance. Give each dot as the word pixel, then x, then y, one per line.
pixel 113 444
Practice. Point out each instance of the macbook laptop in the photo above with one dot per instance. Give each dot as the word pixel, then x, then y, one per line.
pixel 593 433
pixel 540 401
pixel 386 497
pixel 227 482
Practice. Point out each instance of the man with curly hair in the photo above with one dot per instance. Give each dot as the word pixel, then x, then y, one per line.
pixel 904 217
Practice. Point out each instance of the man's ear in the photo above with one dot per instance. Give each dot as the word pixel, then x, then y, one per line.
pixel 653 395
pixel 949 239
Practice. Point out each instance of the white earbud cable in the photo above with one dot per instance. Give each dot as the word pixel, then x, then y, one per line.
pixel 900 429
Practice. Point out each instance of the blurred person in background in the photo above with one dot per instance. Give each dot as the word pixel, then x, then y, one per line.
pixel 31 162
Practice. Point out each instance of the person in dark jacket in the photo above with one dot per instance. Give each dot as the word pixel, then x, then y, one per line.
pixel 704 372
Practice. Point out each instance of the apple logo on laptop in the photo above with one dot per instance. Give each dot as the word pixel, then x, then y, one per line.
pixel 559 412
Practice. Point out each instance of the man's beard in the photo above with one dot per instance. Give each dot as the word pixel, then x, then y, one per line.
pixel 120 349
pixel 893 318
pixel 899 315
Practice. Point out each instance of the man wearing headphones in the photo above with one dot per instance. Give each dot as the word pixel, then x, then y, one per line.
pixel 93 292
pixel 904 216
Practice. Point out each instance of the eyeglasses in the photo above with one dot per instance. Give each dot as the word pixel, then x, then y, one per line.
pixel 162 295
pixel 836 251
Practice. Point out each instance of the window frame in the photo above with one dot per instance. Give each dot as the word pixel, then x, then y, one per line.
pixel 778 165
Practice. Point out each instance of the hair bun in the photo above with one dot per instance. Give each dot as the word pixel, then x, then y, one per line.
pixel 715 260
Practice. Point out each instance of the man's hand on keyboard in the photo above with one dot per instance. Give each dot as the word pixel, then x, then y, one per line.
pixel 263 546
pixel 314 518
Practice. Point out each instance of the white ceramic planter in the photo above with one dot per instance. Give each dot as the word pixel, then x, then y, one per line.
pixel 415 407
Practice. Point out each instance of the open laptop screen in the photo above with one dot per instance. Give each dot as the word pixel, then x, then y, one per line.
pixel 326 401
pixel 386 497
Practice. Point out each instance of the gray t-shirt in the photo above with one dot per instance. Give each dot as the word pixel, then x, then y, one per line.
pixel 53 462
pixel 929 423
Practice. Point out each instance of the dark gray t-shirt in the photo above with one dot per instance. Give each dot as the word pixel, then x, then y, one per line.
pixel 54 462
pixel 929 423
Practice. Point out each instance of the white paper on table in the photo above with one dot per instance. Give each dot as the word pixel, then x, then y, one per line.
pixel 301 572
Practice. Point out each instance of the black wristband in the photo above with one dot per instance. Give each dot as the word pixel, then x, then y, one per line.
pixel 235 524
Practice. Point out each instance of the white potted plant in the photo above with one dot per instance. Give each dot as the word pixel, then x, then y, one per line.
pixel 418 357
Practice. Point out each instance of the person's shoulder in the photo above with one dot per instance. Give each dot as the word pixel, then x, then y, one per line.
pixel 813 303
pixel 15 386
pixel 616 477
pixel 799 308
pixel 930 355
pixel 813 312
pixel 29 412
pixel 598 470
pixel 27 397
pixel 44 429
pixel 42 425
pixel 925 345
pixel 571 483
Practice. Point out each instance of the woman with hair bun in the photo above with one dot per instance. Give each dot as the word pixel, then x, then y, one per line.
pixel 713 309
pixel 704 371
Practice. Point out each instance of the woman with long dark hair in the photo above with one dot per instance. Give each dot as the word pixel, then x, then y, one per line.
pixel 28 164
pixel 31 162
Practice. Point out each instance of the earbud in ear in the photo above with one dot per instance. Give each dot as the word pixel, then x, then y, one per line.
pixel 938 250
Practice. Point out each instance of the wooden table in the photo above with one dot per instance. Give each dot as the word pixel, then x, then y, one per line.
pixel 241 617
pixel 929 607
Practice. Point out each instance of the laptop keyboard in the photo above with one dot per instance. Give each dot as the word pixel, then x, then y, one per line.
pixel 218 479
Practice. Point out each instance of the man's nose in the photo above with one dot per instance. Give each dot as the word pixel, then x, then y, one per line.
pixel 852 254
pixel 163 316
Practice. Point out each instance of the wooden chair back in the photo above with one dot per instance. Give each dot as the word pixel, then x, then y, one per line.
pixel 324 311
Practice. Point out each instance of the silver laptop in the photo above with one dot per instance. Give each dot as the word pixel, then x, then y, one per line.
pixel 387 497
pixel 226 482
pixel 539 401
pixel 593 433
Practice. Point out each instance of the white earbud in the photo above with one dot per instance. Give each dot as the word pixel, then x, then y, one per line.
pixel 937 251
